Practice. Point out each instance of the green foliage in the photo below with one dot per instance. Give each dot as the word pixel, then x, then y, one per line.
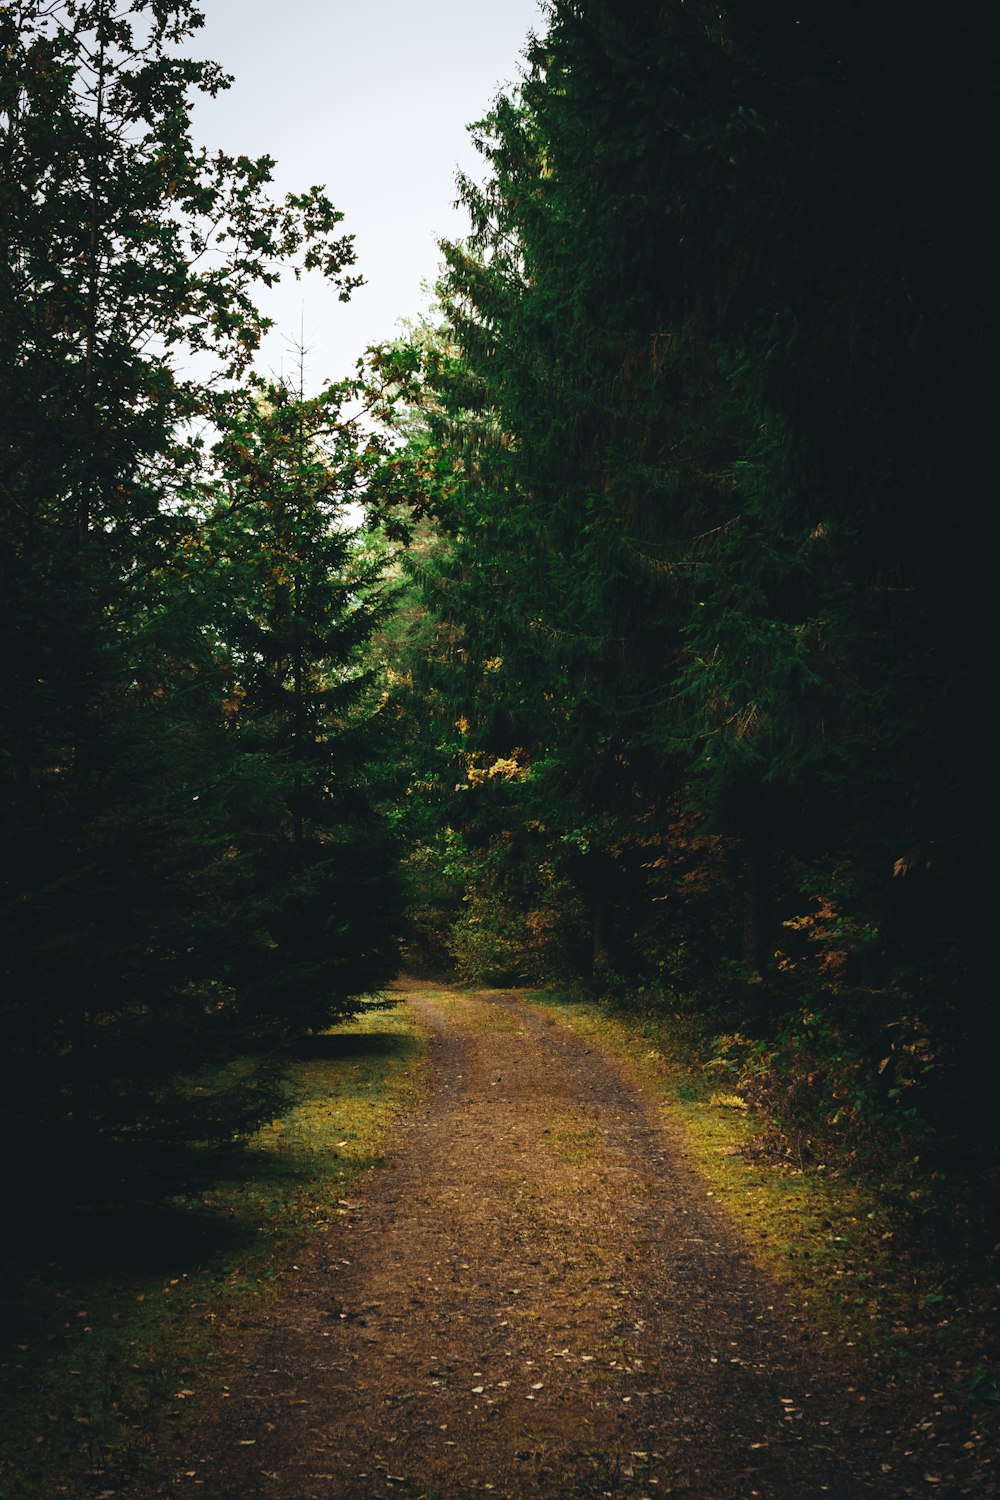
pixel 694 435
pixel 157 854
pixel 294 596
pixel 676 687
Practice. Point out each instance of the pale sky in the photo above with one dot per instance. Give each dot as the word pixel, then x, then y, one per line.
pixel 370 97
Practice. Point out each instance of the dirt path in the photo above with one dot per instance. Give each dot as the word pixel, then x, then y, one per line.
pixel 537 1299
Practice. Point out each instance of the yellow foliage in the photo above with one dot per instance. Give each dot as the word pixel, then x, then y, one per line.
pixel 507 768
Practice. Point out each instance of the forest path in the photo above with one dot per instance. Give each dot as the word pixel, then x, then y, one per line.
pixel 538 1298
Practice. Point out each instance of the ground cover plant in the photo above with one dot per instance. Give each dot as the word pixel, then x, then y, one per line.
pixel 885 1266
pixel 113 1313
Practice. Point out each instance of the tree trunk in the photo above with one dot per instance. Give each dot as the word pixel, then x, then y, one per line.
pixel 602 944
pixel 79 1073
pixel 757 920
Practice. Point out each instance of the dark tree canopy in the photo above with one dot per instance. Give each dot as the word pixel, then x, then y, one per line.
pixel 171 824
pixel 706 626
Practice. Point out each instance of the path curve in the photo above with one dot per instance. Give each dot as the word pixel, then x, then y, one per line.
pixel 538 1298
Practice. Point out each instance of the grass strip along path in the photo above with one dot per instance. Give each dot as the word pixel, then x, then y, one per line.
pixel 113 1319
pixel 541 1297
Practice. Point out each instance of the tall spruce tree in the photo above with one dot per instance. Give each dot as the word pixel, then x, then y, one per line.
pixel 716 352
pixel 296 595
pixel 581 492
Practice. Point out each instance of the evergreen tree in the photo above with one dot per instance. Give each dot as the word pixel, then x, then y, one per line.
pixel 296 596
pixel 579 492
pixel 714 353
pixel 128 264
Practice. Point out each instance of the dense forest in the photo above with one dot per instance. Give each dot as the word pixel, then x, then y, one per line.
pixel 696 632
pixel 654 667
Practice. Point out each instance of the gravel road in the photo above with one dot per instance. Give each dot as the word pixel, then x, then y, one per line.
pixel 538 1297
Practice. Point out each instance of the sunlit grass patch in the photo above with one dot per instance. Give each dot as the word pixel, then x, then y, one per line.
pixel 496 1019
pixel 112 1317
pixel 576 1146
pixel 834 1238
pixel 475 1008
pixel 344 1090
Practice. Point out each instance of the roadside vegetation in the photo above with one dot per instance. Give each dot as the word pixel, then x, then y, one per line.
pixel 904 1277
pixel 114 1314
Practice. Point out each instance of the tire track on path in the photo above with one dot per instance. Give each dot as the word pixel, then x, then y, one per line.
pixel 538 1298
